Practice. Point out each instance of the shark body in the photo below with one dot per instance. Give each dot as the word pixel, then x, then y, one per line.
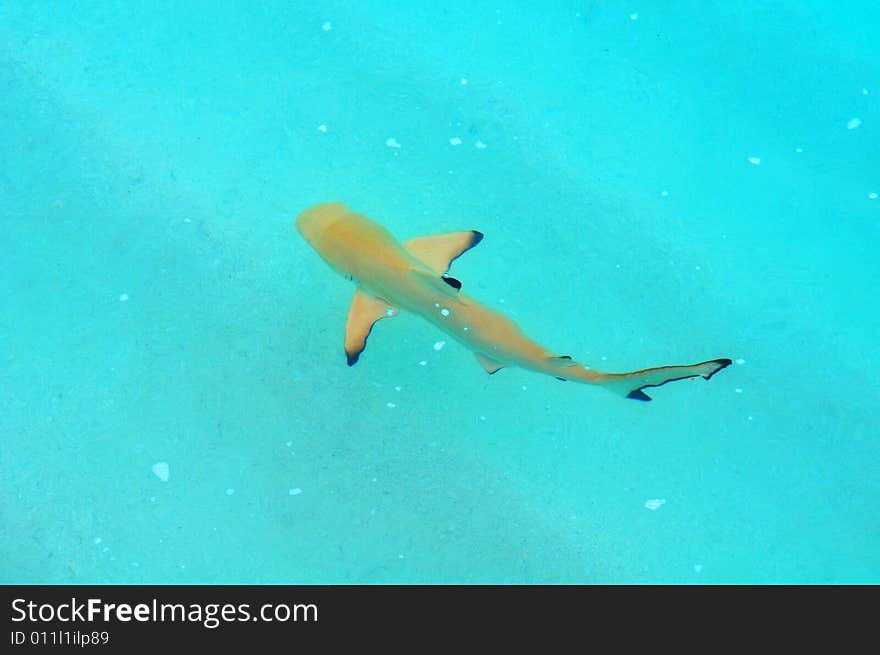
pixel 411 276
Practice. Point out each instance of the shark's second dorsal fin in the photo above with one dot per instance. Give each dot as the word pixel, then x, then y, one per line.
pixel 365 310
pixel 439 251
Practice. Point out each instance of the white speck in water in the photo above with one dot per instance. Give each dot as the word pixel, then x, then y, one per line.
pixel 482 418
pixel 391 142
pixel 799 150
pixel 872 196
pixel 97 540
pixel 444 312
pixel 230 491
pixel 288 443
pixel 398 388
pixel 751 418
pixel 152 499
pixel 187 220
pixel 479 145
pixel 465 328
pixel 464 81
pixel 389 312
pixel 864 92
pixel 738 390
pixel 455 141
pixel 698 568
pixel 322 128
pixel 437 304
pixel 655 503
pixel 439 345
pixel 423 363
pixel 740 361
pixel 136 564
pixel 162 471
pixel 105 549
pixel 634 16
pixel 123 297
pixel 525 388
pixel 755 161
pixel 390 405
pixel 853 123
pixel 697 268
pixel 327 26
pixel 401 556
pixel 295 491
pixel 604 358
pixel 664 193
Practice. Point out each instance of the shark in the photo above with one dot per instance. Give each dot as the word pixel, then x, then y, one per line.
pixel 412 276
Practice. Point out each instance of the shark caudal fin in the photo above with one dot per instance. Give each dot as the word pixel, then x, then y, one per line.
pixel 631 385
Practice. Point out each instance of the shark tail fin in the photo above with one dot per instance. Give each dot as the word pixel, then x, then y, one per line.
pixel 631 385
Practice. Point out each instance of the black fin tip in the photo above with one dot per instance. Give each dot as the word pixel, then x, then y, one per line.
pixel 724 362
pixel 451 281
pixel 638 394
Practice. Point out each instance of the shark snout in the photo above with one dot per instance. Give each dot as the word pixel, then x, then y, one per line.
pixel 315 220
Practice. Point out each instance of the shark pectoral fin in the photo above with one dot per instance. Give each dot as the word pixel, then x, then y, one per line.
pixel 365 310
pixel 439 251
pixel 488 363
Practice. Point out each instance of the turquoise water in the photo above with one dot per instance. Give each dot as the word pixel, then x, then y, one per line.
pixel 658 182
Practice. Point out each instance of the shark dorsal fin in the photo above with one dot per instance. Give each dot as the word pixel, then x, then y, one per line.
pixel 488 363
pixel 439 251
pixel 365 310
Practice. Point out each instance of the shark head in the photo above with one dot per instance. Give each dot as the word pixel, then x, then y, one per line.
pixel 323 227
pixel 314 222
